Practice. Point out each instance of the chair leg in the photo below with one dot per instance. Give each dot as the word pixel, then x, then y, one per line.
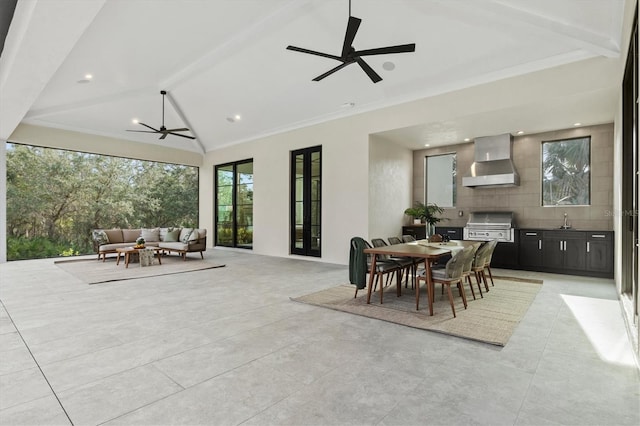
pixel 484 279
pixel 490 275
pixel 464 296
pixel 453 309
pixel 473 293
pixel 479 288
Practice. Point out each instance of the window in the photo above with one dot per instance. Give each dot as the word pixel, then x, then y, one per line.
pixel 306 185
pixel 566 172
pixel 441 180
pixel 234 204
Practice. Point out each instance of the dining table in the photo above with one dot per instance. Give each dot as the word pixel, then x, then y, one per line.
pixel 420 249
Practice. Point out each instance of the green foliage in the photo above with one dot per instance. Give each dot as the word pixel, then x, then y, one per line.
pixel 60 196
pixel 427 213
pixel 19 248
pixel 566 172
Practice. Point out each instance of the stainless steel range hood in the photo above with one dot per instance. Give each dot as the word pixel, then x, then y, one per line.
pixel 493 164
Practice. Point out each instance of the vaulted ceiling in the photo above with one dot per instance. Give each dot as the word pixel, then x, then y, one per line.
pixel 219 59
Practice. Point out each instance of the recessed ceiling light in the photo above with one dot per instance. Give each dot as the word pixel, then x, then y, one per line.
pixel 237 117
pixel 135 121
pixel 520 132
pixel 577 124
pixel 389 66
pixel 86 79
pixel 426 144
pixel 467 139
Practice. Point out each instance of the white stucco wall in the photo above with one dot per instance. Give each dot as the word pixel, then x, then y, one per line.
pixel 390 187
pixel 344 186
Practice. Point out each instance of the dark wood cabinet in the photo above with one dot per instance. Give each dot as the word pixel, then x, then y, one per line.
pixel 453 232
pixel 600 252
pixel 564 250
pixel 419 232
pixel 530 250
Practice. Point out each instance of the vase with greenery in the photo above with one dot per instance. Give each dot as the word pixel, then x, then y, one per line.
pixel 427 213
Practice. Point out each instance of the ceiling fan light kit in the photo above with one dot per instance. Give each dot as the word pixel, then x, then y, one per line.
pixel 350 55
pixel 163 130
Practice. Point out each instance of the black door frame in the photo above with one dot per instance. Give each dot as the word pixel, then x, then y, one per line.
pixel 307 249
pixel 234 203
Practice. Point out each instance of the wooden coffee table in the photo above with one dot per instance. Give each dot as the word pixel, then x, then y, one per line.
pixel 128 251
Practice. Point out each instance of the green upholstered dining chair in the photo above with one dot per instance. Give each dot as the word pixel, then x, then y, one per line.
pixel 487 259
pixel 360 265
pixel 406 264
pixel 452 274
pixel 468 265
pixel 478 265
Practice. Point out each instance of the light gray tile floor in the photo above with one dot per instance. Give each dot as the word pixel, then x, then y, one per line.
pixel 227 346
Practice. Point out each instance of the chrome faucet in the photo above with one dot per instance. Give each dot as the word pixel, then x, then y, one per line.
pixel 566 225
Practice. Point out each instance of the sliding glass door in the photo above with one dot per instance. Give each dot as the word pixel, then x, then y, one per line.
pixel 234 204
pixel 306 190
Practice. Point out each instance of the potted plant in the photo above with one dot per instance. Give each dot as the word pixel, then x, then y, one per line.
pixel 426 213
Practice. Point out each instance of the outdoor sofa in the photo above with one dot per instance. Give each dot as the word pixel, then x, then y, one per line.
pixel 179 240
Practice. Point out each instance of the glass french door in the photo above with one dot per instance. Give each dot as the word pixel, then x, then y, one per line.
pixel 630 176
pixel 234 204
pixel 306 191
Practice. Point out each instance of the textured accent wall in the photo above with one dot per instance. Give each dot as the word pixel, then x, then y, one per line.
pixel 525 200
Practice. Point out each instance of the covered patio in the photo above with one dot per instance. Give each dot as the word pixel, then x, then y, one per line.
pixel 228 346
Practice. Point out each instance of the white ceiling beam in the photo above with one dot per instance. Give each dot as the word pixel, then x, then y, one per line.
pixel 74 106
pixel 503 12
pixel 196 142
pixel 597 43
pixel 41 35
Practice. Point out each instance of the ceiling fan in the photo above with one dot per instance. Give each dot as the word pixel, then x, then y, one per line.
pixel 163 130
pixel 349 55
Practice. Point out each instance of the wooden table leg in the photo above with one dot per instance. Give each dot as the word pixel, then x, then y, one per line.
pixel 118 259
pixel 430 289
pixel 417 285
pixel 126 259
pixel 159 259
pixel 371 274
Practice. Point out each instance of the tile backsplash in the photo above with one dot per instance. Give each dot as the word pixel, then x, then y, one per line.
pixel 525 200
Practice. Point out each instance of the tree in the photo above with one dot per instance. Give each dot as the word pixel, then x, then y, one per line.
pixel 58 197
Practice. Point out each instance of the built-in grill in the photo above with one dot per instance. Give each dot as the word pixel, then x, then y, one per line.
pixel 486 226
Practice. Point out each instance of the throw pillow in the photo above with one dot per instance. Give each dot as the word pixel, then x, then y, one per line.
pixel 185 234
pixel 172 236
pixel 100 237
pixel 150 234
pixel 130 235
pixel 194 235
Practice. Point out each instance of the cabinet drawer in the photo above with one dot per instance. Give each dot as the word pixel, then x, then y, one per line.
pixel 599 236
pixel 525 234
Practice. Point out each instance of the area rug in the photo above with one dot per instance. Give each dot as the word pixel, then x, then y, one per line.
pixel 491 319
pixel 92 271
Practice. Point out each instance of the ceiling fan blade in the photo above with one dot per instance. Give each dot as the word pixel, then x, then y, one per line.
pixel 352 29
pixel 402 48
pixel 370 72
pixel 182 136
pixel 184 129
pixel 149 127
pixel 141 131
pixel 164 135
pixel 313 52
pixel 331 71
